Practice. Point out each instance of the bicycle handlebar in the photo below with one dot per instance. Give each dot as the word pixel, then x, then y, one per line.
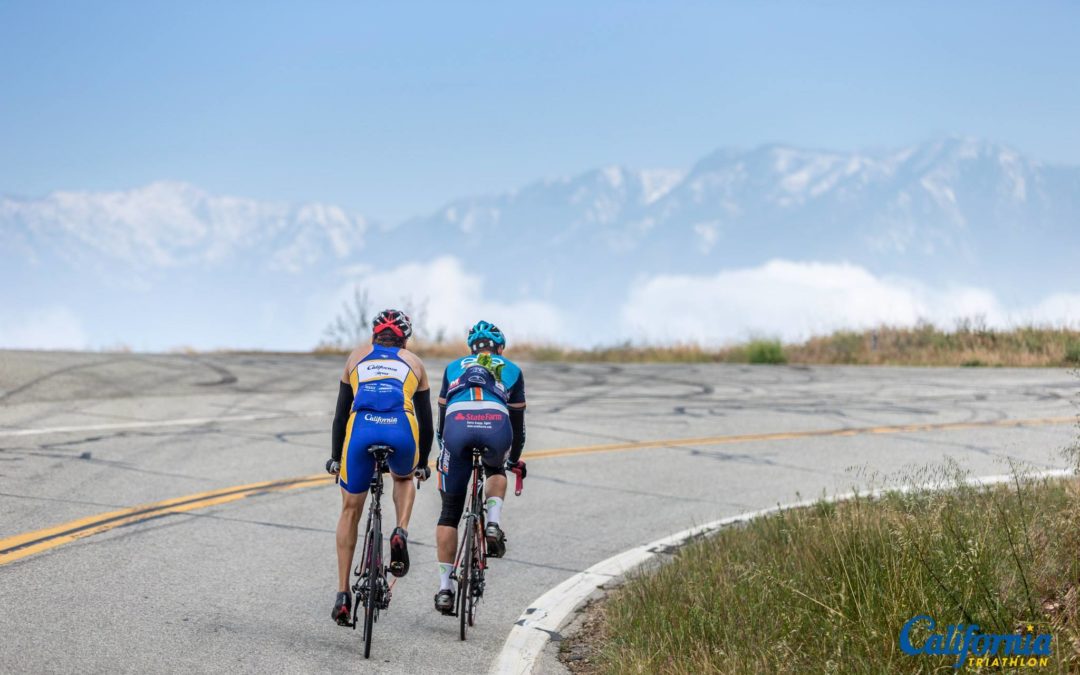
pixel 520 481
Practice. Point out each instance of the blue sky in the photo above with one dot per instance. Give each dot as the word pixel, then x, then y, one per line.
pixel 391 109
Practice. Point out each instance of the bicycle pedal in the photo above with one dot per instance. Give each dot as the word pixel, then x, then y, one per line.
pixel 343 618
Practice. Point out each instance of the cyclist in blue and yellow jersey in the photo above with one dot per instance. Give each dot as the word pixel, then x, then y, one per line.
pixel 383 398
pixel 481 404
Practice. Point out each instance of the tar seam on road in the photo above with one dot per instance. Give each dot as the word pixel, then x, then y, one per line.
pixel 26 544
pixel 144 424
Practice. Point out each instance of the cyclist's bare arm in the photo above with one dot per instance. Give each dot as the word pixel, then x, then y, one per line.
pixel 354 358
pixel 417 367
pixel 422 410
pixel 343 408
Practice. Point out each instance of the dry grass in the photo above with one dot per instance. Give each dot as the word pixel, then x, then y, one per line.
pixel 927 345
pixel 828 588
pixel 923 345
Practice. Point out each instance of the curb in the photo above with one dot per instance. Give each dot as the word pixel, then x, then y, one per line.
pixel 545 615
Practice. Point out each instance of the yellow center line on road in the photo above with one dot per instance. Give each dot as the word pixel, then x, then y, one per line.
pixel 790 435
pixel 29 543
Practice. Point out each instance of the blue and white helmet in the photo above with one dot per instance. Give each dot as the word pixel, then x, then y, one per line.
pixel 485 335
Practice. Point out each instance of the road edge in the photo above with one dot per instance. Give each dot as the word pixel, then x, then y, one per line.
pixel 542 619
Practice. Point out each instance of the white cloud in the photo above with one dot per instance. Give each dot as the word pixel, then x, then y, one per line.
pixel 446 298
pixel 792 300
pixel 1060 309
pixel 46 328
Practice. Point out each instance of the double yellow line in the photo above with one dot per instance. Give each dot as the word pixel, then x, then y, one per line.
pixel 27 544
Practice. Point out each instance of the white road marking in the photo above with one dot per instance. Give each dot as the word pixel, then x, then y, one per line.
pixel 148 424
pixel 546 614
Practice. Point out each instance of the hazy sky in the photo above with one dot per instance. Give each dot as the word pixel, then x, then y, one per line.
pixel 390 109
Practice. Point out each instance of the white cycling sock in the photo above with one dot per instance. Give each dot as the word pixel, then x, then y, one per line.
pixel 494 509
pixel 444 576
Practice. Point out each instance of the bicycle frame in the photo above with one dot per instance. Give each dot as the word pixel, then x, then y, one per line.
pixel 469 573
pixel 371 590
pixel 475 510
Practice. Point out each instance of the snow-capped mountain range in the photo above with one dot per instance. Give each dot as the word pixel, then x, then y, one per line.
pixel 171 224
pixel 947 213
pixel 953 210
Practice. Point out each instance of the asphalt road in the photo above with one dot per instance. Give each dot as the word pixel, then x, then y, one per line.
pixel 247 585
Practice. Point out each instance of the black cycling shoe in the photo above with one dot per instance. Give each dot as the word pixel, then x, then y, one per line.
pixel 496 541
pixel 399 553
pixel 444 601
pixel 342 609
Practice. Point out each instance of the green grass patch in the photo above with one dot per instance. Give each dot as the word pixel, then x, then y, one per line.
pixel 765 351
pixel 828 588
pixel 1072 353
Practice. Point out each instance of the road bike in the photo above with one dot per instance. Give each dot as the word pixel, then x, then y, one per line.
pixel 470 564
pixel 372 590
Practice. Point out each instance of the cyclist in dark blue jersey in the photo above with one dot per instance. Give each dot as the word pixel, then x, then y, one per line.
pixel 383 398
pixel 481 404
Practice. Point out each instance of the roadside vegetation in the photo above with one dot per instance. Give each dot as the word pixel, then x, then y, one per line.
pixel 828 588
pixel 969 343
pixel 923 345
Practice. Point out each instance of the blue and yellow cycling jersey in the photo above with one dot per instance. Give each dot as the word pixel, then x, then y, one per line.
pixel 382 412
pixel 383 382
pixel 462 381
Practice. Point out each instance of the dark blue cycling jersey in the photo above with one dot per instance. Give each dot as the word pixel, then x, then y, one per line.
pixel 465 380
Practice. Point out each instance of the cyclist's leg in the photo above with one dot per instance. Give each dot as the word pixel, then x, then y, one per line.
pixel 494 489
pixel 357 467
pixel 454 468
pixel 454 474
pixel 498 439
pixel 352 506
pixel 404 439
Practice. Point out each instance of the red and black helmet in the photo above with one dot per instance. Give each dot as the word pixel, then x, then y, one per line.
pixel 393 320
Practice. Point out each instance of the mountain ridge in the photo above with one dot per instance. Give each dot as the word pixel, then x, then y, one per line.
pixel 946 214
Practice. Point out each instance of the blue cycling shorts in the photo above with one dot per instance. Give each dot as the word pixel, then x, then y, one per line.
pixel 398 429
pixel 468 425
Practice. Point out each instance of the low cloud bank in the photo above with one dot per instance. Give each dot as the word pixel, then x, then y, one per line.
pixel 785 299
pixel 446 299
pixel 795 300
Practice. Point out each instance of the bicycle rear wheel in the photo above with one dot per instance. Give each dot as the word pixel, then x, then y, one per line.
pixel 464 599
pixel 371 604
pixel 476 570
pixel 474 573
